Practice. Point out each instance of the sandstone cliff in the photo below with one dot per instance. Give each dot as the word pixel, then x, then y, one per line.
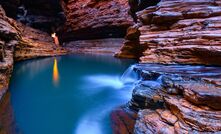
pixel 176 32
pixel 18 42
pixel 89 19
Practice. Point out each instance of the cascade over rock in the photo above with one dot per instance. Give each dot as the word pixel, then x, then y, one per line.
pixel 174 99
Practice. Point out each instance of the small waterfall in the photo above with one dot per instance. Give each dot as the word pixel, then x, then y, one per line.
pixel 129 76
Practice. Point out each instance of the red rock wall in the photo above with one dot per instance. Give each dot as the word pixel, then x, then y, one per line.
pixel 89 19
pixel 20 42
pixel 180 32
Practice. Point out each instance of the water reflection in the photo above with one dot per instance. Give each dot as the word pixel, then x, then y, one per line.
pixel 55 73
pixel 81 107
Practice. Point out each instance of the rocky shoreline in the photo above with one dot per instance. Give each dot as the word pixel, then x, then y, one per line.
pixel 19 42
pixel 175 99
pixel 169 98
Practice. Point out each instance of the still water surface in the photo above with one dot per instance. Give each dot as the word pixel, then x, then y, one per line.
pixel 71 94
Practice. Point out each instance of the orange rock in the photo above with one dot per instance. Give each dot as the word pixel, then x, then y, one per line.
pixel 175 32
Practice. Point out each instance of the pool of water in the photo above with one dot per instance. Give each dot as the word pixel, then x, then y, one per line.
pixel 71 94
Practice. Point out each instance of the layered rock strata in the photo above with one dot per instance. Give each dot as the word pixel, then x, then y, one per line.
pixel 92 19
pixel 8 39
pixel 96 46
pixel 177 32
pixel 177 99
pixel 18 42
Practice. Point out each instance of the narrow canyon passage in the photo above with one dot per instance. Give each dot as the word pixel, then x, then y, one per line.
pixel 110 66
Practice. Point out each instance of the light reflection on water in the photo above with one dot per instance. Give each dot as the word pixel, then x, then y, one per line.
pixel 55 73
pixel 89 87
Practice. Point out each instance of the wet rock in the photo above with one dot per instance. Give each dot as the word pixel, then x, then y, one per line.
pixel 189 100
pixel 95 19
pixel 146 95
pixel 123 120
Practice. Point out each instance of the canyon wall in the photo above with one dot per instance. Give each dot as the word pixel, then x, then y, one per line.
pixel 90 19
pixel 177 99
pixel 186 32
pixel 45 15
pixel 19 42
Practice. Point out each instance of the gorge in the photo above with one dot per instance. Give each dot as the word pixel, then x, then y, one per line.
pixel 107 74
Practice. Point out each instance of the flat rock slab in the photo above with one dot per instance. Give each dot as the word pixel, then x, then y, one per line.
pixel 202 93
pixel 150 122
pixel 190 98
pixel 199 118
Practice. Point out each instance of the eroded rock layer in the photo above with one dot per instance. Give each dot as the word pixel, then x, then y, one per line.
pixel 91 19
pixel 178 32
pixel 97 46
pixel 177 99
pixel 18 42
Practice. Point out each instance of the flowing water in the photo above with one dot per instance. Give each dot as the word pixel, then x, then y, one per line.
pixel 69 94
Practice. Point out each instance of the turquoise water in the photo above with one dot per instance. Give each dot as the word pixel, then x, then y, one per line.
pixel 71 94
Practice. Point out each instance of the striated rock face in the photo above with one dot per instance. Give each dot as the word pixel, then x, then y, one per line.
pixel 96 46
pixel 175 32
pixel 8 39
pixel 189 99
pixel 35 43
pixel 89 19
pixel 20 42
